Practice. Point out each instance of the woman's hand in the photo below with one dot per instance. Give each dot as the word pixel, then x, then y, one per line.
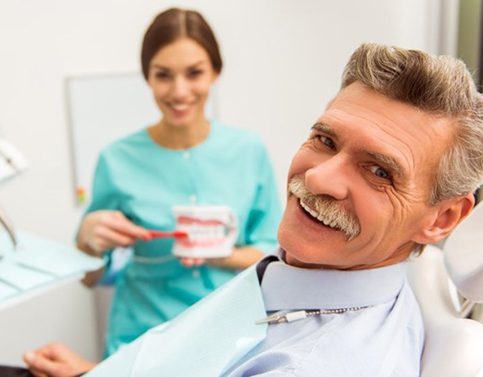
pixel 56 360
pixel 242 257
pixel 104 230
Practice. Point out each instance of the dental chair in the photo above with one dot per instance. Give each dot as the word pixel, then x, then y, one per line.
pixel 454 344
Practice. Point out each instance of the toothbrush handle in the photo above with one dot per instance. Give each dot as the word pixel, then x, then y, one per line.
pixel 162 234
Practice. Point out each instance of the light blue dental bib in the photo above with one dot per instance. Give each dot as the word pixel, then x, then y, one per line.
pixel 203 341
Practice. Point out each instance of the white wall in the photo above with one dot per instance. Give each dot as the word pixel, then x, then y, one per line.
pixel 283 60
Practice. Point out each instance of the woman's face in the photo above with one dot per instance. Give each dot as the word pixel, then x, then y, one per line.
pixel 180 76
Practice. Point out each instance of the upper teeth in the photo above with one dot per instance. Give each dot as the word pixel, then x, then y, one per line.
pixel 330 224
pixel 179 107
pixel 204 232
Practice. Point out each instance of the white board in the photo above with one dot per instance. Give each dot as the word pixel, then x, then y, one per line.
pixel 102 109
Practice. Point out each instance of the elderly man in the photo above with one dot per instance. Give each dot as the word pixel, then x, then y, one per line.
pixel 389 167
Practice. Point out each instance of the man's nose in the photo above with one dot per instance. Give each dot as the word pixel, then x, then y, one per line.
pixel 330 177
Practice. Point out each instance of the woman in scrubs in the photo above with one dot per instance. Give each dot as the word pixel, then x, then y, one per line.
pixel 183 159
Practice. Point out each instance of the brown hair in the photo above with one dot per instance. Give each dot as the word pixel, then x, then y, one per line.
pixel 441 85
pixel 175 23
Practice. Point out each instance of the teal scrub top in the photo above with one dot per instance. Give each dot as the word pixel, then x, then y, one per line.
pixel 144 180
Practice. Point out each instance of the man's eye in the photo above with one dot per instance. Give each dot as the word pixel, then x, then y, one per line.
pixel 380 172
pixel 327 141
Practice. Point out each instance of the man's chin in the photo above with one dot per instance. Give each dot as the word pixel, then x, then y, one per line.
pixel 296 262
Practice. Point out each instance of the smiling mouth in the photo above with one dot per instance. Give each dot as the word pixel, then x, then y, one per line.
pixel 180 107
pixel 324 210
pixel 315 216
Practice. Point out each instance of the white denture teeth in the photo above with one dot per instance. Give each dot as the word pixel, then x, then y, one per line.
pixel 220 232
pixel 201 233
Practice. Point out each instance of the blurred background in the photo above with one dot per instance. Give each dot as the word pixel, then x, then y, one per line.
pixel 282 63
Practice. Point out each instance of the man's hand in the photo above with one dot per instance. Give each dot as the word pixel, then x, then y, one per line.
pixel 104 230
pixel 56 360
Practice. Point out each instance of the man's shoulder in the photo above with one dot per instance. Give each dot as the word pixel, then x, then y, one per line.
pixel 385 339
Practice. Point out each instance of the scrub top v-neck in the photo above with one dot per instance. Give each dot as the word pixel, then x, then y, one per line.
pixel 144 180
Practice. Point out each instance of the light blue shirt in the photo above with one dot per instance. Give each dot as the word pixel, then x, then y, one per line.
pixel 385 339
pixel 144 180
pixel 221 335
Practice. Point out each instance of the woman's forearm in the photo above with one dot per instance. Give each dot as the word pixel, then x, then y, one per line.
pixel 241 258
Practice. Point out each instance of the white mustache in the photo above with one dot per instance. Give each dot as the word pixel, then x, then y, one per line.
pixel 328 210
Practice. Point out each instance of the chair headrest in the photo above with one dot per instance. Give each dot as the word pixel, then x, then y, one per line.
pixel 463 252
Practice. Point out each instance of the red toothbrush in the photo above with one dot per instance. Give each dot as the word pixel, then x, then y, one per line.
pixel 167 234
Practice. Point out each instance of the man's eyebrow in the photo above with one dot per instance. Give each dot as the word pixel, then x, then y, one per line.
pixel 388 162
pixel 322 127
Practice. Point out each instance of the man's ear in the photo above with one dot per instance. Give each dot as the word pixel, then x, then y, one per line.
pixel 447 215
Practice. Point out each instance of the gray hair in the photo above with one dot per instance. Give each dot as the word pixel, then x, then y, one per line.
pixel 441 85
